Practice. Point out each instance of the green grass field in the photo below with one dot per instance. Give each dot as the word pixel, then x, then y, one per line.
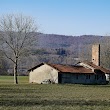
pixel 25 96
pixel 9 79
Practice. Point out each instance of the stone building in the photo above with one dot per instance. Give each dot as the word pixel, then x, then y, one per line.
pixel 82 73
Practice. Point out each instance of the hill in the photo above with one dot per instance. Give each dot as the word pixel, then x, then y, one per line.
pixel 63 41
pixel 65 49
pixel 62 49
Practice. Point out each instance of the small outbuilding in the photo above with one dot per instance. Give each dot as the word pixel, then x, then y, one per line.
pixel 43 72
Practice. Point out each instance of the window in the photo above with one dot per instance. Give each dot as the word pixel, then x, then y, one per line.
pixel 87 76
pixel 76 76
pixel 102 76
pixel 96 77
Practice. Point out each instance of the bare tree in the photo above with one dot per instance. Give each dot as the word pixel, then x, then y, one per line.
pixel 17 33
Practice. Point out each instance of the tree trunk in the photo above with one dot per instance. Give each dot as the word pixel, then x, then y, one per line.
pixel 15 71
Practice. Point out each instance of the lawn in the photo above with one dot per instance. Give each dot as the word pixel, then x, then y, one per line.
pixel 25 96
pixel 9 79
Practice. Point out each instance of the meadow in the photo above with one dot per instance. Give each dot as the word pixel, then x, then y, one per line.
pixel 25 96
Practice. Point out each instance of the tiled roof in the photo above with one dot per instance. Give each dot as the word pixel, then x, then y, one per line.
pixel 74 69
pixel 97 67
pixel 71 69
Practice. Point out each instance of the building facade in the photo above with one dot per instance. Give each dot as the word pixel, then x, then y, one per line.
pixel 83 73
pixel 43 72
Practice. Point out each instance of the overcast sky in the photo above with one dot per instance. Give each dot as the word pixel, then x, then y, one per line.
pixel 65 17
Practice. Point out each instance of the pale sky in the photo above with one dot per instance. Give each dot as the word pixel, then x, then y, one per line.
pixel 64 17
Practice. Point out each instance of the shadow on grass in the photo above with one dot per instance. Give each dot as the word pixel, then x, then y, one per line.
pixel 32 102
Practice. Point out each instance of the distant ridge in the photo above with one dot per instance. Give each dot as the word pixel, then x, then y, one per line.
pixel 62 41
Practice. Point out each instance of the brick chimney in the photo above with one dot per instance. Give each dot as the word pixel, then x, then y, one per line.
pixel 96 54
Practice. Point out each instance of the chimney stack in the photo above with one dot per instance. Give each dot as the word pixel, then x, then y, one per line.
pixel 96 54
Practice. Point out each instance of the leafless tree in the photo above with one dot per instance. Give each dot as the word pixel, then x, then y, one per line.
pixel 17 33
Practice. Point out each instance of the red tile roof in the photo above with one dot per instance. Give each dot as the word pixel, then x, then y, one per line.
pixel 97 67
pixel 74 69
pixel 71 69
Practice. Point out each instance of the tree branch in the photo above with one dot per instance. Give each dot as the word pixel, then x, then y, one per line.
pixel 8 57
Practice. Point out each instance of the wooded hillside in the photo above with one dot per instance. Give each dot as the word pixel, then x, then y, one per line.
pixel 60 49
